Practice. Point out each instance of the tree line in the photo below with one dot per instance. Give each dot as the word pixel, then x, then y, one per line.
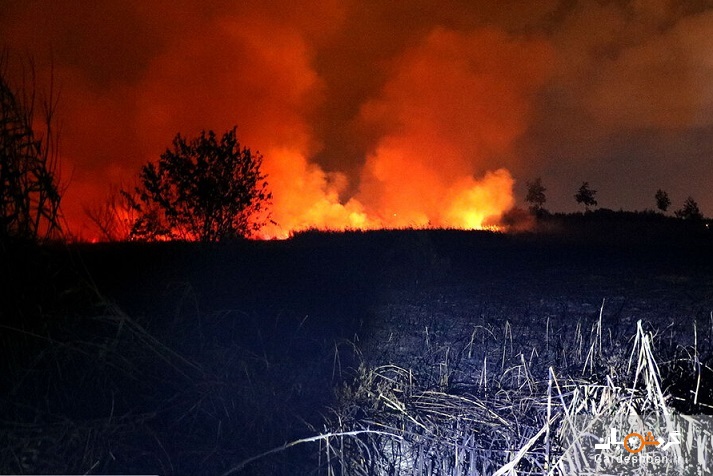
pixel 585 195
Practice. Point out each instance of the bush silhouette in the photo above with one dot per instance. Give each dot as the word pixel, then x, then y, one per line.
pixel 203 189
pixel 689 211
pixel 585 196
pixel 662 200
pixel 536 196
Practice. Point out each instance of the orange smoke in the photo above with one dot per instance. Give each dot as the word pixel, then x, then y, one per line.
pixel 429 125
pixel 451 110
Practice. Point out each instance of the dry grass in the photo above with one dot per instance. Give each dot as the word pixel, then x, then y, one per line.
pixel 483 405
pixel 388 423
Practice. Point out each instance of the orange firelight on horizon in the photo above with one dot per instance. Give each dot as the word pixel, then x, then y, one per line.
pixel 308 198
pixel 413 128
pixel 452 105
pixel 373 114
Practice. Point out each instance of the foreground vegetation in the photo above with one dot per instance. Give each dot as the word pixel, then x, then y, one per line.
pixel 366 353
pixel 388 422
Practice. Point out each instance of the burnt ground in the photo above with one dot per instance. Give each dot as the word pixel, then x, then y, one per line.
pixel 181 358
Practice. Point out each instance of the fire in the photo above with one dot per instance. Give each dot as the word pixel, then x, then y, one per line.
pixel 452 106
pixel 479 204
pixel 309 199
pixel 402 129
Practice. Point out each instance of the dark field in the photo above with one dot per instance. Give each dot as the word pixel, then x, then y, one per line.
pixel 180 358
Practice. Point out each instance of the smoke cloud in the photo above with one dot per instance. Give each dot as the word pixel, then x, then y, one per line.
pixel 449 114
pixel 372 114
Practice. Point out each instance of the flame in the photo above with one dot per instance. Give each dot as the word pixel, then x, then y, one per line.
pixel 404 128
pixel 478 204
pixel 451 106
pixel 309 199
pixel 306 197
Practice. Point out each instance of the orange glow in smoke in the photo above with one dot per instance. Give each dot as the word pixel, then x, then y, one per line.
pixel 419 135
pixel 451 106
pixel 306 197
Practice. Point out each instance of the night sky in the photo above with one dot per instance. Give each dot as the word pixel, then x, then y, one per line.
pixel 374 113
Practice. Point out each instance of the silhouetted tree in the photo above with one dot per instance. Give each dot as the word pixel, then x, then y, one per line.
pixel 29 165
pixel 662 200
pixel 205 189
pixel 536 196
pixel 585 195
pixel 689 211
